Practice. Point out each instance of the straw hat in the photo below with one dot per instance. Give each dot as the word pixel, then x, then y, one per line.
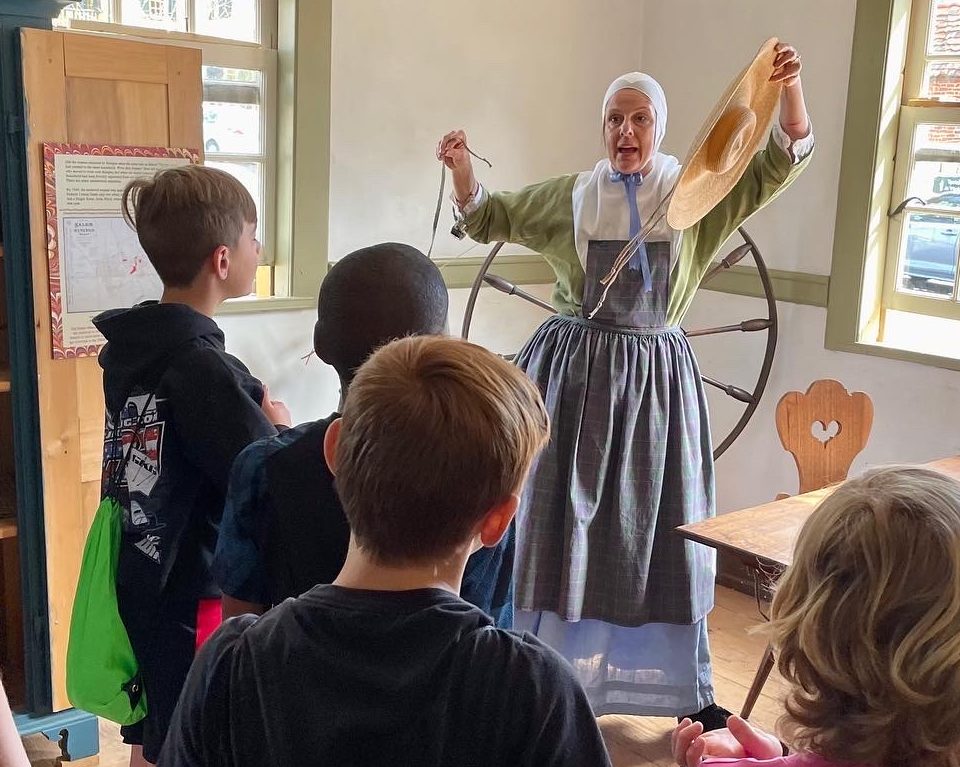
pixel 729 139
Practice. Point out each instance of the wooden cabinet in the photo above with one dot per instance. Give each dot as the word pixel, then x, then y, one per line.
pixel 86 89
pixel 24 648
pixel 60 87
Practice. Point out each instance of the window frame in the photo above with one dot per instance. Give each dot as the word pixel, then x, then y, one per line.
pixel 914 112
pixel 911 117
pixel 875 95
pixel 232 57
pixel 263 56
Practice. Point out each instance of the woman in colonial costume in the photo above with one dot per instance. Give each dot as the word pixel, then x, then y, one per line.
pixel 600 573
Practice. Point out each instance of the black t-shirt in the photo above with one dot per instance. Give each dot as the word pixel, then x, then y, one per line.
pixel 346 677
pixel 307 531
pixel 284 529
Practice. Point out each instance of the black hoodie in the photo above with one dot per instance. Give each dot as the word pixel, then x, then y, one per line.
pixel 347 677
pixel 194 408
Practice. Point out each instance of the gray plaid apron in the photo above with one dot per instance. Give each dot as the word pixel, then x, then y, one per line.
pixel 629 460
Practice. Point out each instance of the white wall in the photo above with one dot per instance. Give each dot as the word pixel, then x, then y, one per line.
pixel 695 47
pixel 273 345
pixel 525 78
pixel 915 407
pixel 522 77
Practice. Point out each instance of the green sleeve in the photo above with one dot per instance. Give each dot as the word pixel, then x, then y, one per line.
pixel 769 173
pixel 539 217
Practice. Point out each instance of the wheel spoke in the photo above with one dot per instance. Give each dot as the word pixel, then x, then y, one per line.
pixel 747 326
pixel 729 260
pixel 512 290
pixel 730 390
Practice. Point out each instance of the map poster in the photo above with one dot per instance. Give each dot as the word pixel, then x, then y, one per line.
pixel 95 261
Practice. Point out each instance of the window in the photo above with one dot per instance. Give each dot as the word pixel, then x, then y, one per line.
pixel 922 246
pixel 894 288
pixel 238 39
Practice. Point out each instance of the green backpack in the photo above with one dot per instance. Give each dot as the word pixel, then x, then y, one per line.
pixel 103 675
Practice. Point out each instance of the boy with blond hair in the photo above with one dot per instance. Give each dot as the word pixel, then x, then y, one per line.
pixel 387 665
pixel 866 624
pixel 184 409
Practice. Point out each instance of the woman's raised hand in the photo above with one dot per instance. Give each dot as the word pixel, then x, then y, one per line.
pixel 786 65
pixel 452 151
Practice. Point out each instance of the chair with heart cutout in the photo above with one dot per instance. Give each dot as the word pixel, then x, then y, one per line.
pixel 824 429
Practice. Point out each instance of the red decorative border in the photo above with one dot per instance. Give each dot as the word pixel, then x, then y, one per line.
pixel 50 151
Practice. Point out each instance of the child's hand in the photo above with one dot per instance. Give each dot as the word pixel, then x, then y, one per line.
pixel 740 740
pixel 275 410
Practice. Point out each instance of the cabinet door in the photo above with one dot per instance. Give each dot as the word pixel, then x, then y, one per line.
pixel 94 90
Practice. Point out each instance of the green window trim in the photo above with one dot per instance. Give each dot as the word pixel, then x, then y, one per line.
pixel 303 128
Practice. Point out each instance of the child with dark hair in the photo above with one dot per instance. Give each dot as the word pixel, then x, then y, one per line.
pixel 284 530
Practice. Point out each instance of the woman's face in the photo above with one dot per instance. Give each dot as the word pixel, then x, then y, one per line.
pixel 628 129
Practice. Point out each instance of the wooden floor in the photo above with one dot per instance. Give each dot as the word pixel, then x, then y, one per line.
pixel 638 741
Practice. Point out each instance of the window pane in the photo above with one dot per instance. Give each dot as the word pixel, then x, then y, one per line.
pixel 233 19
pixel 921 333
pixel 928 264
pixel 231 111
pixel 250 174
pixel 935 177
pixel 86 10
pixel 941 81
pixel 159 14
pixel 944 36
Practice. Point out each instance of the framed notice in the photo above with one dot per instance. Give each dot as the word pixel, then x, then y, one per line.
pixel 95 261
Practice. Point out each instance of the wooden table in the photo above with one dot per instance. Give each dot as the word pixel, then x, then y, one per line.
pixel 763 538
pixel 766 534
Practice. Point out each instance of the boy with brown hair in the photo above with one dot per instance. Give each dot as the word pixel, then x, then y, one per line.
pixel 388 665
pixel 184 408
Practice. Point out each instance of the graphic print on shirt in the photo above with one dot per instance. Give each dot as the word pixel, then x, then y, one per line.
pixel 142 434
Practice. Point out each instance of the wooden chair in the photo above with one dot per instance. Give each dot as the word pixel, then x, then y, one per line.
pixel 824 428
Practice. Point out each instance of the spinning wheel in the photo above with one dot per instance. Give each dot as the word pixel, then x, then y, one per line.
pixel 751 398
